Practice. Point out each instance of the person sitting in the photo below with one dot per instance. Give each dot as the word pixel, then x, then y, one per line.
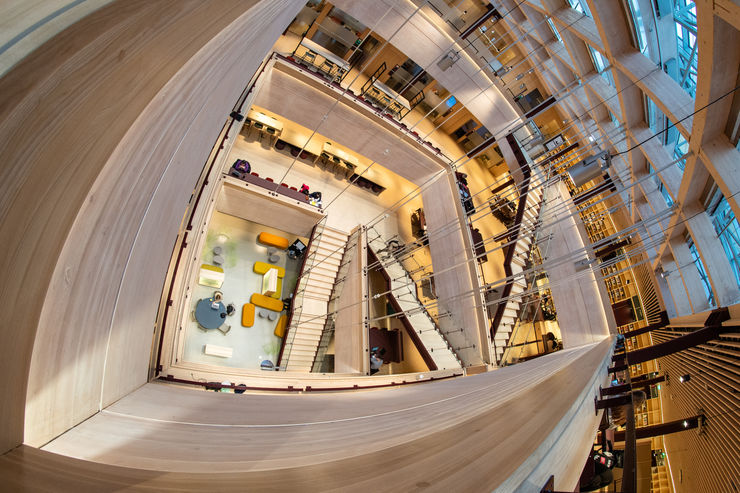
pixel 240 168
pixel 315 199
pixel 376 360
pixel 304 189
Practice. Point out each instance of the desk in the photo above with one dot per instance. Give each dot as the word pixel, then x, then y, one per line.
pixel 333 150
pixel 300 139
pixel 321 59
pixel 387 97
pixel 209 317
pixel 267 121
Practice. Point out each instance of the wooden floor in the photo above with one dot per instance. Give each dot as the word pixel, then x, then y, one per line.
pixel 465 434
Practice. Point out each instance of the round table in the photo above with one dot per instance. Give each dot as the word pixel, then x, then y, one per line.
pixel 209 317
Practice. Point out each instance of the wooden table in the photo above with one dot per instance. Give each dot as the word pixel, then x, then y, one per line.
pixel 388 98
pixel 302 140
pixel 267 121
pixel 322 59
pixel 334 151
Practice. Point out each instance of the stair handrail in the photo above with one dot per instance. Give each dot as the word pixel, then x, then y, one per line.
pixel 409 281
pixel 536 235
pixel 296 306
pixel 336 292
pixel 516 228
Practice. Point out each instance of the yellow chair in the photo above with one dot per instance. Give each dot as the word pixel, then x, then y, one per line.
pixel 266 302
pixel 248 315
pixel 211 275
pixel 273 240
pixel 281 325
pixel 261 268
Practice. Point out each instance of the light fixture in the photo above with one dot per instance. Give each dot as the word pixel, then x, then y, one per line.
pixel 589 168
pixel 684 378
pixel 685 424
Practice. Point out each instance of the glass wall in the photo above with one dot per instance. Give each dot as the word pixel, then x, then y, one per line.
pixel 728 232
pixel 684 17
pixel 639 26
pixel 601 64
pixel 702 271
pixel 581 6
pixel 554 30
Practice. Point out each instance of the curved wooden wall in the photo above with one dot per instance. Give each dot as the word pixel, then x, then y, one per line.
pixel 505 430
pixel 103 132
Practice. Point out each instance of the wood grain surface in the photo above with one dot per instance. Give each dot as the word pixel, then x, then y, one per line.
pixel 104 130
pixel 472 434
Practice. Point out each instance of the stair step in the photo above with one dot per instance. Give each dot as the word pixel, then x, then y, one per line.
pixel 334 234
pixel 326 249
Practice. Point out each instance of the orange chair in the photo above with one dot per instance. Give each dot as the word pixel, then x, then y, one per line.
pixel 270 239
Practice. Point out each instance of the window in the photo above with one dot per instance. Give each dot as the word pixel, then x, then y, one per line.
pixel 684 17
pixel 702 272
pixel 601 64
pixel 661 188
pixel 639 26
pixel 554 30
pixel 655 118
pixel 581 6
pixel 680 149
pixel 614 119
pixel 728 231
pixel 670 135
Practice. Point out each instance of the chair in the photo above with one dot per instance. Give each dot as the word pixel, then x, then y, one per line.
pixel 225 329
pixel 309 57
pixel 269 179
pixel 260 127
pixel 271 132
pixel 304 155
pixel 294 151
pixel 280 145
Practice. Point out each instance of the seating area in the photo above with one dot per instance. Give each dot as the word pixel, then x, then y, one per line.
pixel 326 156
pixel 268 183
pixel 238 318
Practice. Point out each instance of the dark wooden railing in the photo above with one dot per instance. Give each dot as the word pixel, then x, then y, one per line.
pixel 515 228
pixel 295 294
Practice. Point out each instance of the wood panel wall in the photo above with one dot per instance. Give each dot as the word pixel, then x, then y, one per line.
pixel 285 95
pixel 27 24
pixel 506 430
pixel 351 338
pixel 584 315
pixel 103 133
pixel 422 41
pixel 456 285
pixel 253 203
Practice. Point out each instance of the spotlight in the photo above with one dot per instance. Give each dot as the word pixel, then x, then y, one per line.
pixel 684 378
pixel 685 424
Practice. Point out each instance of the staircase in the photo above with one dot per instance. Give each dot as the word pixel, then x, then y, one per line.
pixel 522 247
pixel 328 331
pixel 403 291
pixel 310 306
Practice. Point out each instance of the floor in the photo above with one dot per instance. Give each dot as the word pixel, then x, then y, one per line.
pixel 346 205
pixel 251 345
